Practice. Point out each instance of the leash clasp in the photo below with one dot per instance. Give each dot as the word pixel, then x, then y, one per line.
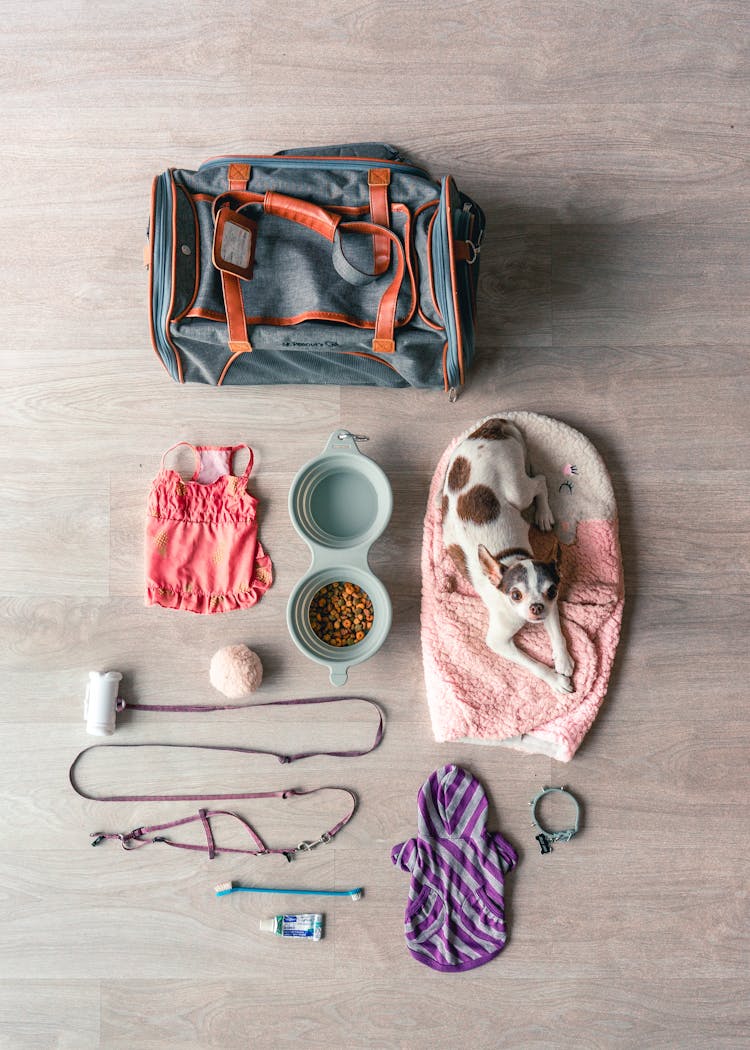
pixel 305 847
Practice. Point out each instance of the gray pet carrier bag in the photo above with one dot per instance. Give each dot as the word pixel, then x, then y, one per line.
pixel 343 265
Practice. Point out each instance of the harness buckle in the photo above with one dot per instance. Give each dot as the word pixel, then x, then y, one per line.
pixel 131 840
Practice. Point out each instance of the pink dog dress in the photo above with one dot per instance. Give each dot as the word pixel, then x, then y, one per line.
pixel 202 548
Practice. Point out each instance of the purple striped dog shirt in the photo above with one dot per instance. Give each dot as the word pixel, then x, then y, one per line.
pixel 455 916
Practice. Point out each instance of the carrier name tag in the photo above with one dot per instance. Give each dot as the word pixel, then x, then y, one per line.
pixel 237 245
pixel 234 243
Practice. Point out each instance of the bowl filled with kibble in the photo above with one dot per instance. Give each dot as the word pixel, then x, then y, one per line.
pixel 339 614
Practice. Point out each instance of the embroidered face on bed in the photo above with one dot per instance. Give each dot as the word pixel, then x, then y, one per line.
pixel 526 587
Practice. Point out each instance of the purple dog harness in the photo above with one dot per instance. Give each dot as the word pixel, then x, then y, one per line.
pixel 143 836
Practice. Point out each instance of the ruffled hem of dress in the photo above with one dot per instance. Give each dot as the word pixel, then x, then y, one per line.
pixel 206 604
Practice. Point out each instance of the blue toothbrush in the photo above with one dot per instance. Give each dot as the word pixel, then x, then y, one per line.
pixel 229 887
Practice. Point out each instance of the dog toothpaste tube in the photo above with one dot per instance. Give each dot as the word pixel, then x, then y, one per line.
pixel 310 926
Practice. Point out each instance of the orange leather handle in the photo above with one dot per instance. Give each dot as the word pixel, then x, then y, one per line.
pixel 325 223
pixel 302 212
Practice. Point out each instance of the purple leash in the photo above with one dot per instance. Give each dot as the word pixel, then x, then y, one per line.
pixel 143 836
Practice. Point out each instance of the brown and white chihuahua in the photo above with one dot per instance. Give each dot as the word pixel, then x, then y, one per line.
pixel 486 488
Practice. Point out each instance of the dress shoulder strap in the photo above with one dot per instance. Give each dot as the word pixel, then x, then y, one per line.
pixel 244 477
pixel 178 444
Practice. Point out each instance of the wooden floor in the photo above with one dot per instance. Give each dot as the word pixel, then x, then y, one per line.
pixel 608 143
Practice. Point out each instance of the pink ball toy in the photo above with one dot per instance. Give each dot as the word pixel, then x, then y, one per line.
pixel 235 671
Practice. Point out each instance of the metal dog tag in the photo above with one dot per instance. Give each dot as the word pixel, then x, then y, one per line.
pixel 544 844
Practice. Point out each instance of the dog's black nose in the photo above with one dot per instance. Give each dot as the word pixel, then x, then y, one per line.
pixel 536 609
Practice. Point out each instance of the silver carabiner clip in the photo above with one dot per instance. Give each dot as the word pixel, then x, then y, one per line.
pixel 343 434
pixel 304 847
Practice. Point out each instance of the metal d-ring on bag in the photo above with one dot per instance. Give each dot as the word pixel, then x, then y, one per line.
pixel 142 836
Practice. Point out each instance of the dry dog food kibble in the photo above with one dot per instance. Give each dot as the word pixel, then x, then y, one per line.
pixel 341 614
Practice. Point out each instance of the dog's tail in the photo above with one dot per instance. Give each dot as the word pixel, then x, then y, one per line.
pixel 495 429
pixel 498 428
pixel 511 430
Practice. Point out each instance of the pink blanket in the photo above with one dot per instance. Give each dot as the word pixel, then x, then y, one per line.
pixel 476 695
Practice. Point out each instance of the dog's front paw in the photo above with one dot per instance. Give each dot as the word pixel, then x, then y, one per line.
pixel 563 684
pixel 564 664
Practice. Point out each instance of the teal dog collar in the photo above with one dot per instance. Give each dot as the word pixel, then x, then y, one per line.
pixel 545 838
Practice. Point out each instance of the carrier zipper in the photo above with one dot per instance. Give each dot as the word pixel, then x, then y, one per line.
pixel 355 163
pixel 466 220
pixel 161 264
pixel 444 290
pixel 458 355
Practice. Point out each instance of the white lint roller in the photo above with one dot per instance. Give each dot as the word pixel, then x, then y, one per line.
pixel 100 705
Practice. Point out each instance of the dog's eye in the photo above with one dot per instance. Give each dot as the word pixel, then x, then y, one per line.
pixel 552 592
pixel 516 595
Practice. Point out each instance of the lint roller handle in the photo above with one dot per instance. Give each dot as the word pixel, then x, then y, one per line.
pixel 100 704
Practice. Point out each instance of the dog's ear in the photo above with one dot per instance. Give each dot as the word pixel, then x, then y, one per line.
pixel 557 553
pixel 491 567
pixel 555 561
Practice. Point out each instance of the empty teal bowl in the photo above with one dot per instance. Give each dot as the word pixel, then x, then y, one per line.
pixel 339 503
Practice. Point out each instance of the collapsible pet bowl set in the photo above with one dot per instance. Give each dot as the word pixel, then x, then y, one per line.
pixel 340 503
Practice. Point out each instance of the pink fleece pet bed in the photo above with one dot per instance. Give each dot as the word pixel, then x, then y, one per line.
pixel 474 695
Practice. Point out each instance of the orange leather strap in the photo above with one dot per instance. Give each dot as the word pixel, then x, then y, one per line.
pixel 378 180
pixel 302 212
pixel 385 322
pixel 239 342
pixel 238 176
